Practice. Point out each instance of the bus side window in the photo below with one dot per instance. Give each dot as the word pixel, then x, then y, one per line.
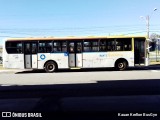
pixel 57 46
pixel 109 48
pixel 19 50
pixel 42 47
pixel 34 50
pixel 44 50
pixel 40 50
pixel 59 49
pixel 127 44
pixel 110 45
pixel 87 46
pixel 102 45
pixel 78 49
pixel 71 49
pixel 48 50
pixel 64 46
pixel 126 47
pixel 27 51
pixel 49 46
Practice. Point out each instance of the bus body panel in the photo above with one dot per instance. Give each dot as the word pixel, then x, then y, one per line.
pixel 128 55
pixel 79 60
pixel 28 61
pixel 34 61
pixel 60 58
pixel 94 59
pixel 5 57
pixel 13 61
pixel 130 59
pixel 106 59
pixel 72 61
pixel 42 58
pixel 75 60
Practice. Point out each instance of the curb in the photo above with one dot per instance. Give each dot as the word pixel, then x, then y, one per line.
pixel 1 71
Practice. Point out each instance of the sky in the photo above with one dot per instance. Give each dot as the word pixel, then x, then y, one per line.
pixel 61 18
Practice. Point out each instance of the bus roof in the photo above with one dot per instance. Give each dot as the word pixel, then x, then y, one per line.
pixel 72 38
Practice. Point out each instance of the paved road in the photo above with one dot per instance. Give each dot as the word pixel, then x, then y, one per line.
pixel 100 90
pixel 77 76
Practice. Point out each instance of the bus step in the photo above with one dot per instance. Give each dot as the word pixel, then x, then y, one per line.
pixel 75 68
pixel 139 64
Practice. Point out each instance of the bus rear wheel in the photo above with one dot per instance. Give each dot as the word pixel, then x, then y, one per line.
pixel 121 65
pixel 50 67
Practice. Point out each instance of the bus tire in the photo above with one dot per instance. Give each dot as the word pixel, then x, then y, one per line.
pixel 50 67
pixel 121 65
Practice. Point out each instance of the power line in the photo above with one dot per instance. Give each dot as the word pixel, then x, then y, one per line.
pixel 91 27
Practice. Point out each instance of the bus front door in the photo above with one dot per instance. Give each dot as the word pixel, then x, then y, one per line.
pixel 139 51
pixel 30 55
pixel 75 54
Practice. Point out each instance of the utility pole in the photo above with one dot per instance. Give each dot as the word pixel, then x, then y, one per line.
pixel 147 20
pixel 147 42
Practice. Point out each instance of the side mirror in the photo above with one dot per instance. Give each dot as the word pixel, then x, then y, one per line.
pixel 149 40
pixel 149 47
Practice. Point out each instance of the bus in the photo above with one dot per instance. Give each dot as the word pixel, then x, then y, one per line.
pixel 53 53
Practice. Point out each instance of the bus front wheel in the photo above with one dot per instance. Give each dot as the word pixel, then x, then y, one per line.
pixel 121 65
pixel 50 67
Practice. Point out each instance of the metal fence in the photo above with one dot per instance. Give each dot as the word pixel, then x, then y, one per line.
pixel 154 56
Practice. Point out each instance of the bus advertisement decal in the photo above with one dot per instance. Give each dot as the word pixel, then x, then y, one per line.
pixel 42 57
pixel 66 54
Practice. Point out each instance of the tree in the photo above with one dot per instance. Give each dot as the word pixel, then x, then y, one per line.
pixel 154 37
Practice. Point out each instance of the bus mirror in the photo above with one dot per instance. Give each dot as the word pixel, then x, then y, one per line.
pixel 149 40
pixel 149 47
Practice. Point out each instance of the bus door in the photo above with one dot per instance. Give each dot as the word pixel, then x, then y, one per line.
pixel 75 54
pixel 30 54
pixel 139 51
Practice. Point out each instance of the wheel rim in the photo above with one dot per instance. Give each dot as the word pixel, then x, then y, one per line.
pixel 50 67
pixel 120 65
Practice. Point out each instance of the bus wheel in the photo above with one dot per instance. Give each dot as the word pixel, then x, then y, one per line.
pixel 50 67
pixel 121 65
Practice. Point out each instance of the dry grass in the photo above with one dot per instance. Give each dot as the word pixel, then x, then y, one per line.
pixel 155 63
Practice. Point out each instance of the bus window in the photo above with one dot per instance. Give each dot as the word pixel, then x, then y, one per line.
pixel 102 45
pixel 13 47
pixel 87 46
pixel 64 46
pixel 42 47
pixel 95 46
pixel 34 48
pixel 19 48
pixel 57 46
pixel 110 45
pixel 123 44
pixel 127 45
pixel 49 45
pixel 119 45
pixel 27 48
pixel 79 47
pixel 71 47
